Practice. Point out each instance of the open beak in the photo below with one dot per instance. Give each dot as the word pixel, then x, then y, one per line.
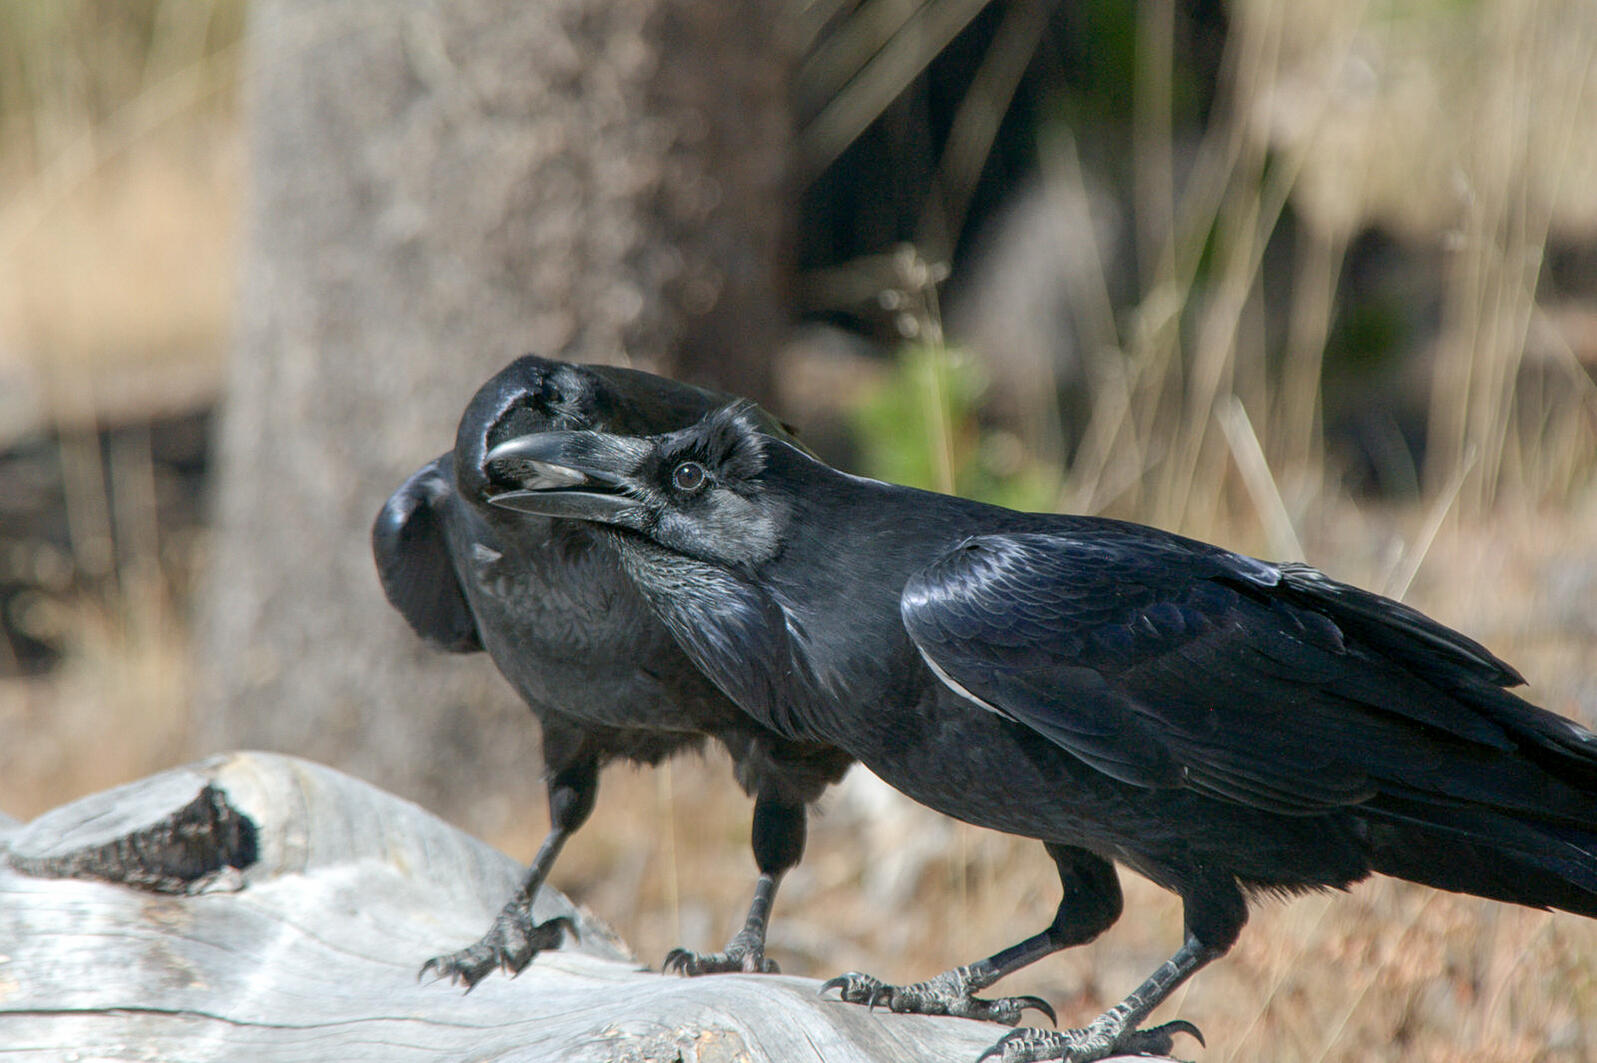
pixel 576 475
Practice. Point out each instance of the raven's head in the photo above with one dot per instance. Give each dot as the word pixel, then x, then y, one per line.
pixel 533 395
pixel 699 492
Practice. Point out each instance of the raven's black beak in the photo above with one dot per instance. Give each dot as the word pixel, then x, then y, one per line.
pixel 576 475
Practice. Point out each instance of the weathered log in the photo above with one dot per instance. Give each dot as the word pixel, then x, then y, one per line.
pixel 264 907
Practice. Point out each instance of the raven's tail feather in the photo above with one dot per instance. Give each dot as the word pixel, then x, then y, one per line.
pixel 1488 853
pixel 1456 664
pixel 1559 746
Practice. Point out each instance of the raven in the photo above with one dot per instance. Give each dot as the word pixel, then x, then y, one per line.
pixel 549 602
pixel 1222 725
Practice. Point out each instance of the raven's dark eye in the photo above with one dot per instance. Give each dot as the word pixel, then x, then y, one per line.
pixel 689 476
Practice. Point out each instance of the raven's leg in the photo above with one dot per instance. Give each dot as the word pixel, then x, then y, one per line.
pixel 778 840
pixel 514 939
pixel 1090 905
pixel 1214 918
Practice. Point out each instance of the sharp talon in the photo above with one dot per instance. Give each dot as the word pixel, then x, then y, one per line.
pixel 838 983
pixel 1039 1004
pixel 735 960
pixel 1183 1026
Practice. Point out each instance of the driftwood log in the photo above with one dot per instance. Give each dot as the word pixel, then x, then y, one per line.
pixel 262 907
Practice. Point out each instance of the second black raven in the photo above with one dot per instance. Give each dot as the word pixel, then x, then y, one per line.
pixel 548 600
pixel 1223 725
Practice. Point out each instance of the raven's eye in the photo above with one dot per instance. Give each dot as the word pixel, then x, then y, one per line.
pixel 689 476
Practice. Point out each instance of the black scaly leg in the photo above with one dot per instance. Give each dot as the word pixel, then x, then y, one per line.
pixel 778 841
pixel 1215 913
pixel 1090 905
pixel 1115 1032
pixel 514 939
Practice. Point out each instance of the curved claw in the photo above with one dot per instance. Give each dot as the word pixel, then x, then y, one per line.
pixel 508 945
pixel 733 961
pixel 1168 1031
pixel 456 970
pixel 839 983
pixel 947 994
pixel 1091 1043
pixel 856 988
pixel 1039 1004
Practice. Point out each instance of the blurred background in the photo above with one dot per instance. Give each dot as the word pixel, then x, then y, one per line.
pixel 1310 279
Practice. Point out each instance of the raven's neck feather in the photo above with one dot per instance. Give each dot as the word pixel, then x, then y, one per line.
pixel 731 629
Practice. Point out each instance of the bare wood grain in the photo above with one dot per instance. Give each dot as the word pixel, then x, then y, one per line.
pixel 308 949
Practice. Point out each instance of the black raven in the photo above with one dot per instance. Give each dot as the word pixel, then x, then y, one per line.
pixel 547 599
pixel 1222 725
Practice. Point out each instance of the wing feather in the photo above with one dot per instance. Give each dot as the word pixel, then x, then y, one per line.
pixel 413 562
pixel 1164 662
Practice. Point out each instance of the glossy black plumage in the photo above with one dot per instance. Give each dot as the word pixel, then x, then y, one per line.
pixel 549 603
pixel 1220 724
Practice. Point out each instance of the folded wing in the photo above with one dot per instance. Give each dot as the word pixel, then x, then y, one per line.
pixel 1165 662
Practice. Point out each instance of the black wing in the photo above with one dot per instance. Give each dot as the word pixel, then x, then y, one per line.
pixel 413 561
pixel 1165 662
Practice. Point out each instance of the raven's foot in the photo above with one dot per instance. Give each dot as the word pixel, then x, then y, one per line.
pixel 950 993
pixel 510 945
pixel 745 953
pixel 1098 1041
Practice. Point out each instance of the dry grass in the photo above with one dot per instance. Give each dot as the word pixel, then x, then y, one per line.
pixel 121 255
pixel 117 711
pixel 119 188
